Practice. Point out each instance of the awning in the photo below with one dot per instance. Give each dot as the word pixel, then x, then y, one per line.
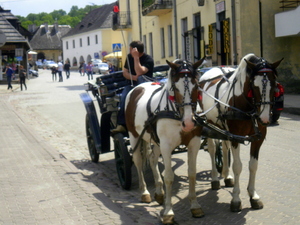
pixel 113 55
pixel 32 53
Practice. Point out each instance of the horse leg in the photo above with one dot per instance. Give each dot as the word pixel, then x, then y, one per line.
pixel 159 192
pixel 228 179
pixel 138 162
pixel 215 183
pixel 168 215
pixel 192 158
pixel 255 201
pixel 236 204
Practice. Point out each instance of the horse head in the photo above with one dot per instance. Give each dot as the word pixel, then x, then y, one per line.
pixel 262 77
pixel 182 88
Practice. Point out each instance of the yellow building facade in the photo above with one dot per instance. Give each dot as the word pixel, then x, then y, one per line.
pixel 223 30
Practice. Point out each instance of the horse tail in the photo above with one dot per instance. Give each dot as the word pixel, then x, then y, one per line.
pixel 145 152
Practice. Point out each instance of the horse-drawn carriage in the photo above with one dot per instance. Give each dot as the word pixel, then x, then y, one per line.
pixel 235 107
pixel 107 90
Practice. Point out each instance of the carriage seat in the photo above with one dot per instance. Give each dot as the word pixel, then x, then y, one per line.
pixel 114 82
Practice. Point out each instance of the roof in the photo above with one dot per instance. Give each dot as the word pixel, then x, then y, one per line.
pixel 9 24
pixel 96 19
pixel 48 37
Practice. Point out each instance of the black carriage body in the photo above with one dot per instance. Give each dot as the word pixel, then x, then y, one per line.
pixel 106 91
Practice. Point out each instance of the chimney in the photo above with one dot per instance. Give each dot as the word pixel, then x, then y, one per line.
pixel 31 28
pixel 56 27
pixel 46 27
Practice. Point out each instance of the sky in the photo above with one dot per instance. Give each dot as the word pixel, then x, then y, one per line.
pixel 25 7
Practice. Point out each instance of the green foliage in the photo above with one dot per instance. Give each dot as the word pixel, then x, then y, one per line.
pixel 62 17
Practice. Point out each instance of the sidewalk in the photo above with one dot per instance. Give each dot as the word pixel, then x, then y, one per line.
pixel 39 186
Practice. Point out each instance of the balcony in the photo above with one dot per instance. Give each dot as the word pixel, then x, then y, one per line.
pixel 121 21
pixel 156 7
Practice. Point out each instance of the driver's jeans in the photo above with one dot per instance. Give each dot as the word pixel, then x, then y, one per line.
pixel 121 113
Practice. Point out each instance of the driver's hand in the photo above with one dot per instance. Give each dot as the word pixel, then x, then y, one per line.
pixel 134 52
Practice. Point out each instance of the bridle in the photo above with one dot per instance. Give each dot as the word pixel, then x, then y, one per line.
pixel 261 69
pixel 185 71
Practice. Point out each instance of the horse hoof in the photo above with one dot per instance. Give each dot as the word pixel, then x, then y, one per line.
pixel 229 182
pixel 168 219
pixel 146 198
pixel 159 198
pixel 197 213
pixel 256 204
pixel 235 206
pixel 215 185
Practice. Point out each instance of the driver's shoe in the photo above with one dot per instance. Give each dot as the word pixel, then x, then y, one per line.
pixel 119 129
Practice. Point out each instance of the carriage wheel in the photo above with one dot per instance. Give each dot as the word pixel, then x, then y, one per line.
pixel 123 161
pixel 90 141
pixel 219 156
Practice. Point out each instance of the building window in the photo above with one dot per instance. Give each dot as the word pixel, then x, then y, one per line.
pixel 151 44
pixel 73 43
pixel 170 42
pixel 96 39
pixel 145 43
pixel 80 42
pixel 88 41
pixel 67 45
pixel 162 41
pixel 185 40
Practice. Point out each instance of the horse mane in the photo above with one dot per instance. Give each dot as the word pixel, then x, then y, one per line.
pixel 243 71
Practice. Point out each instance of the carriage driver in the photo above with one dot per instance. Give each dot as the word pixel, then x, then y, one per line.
pixel 140 64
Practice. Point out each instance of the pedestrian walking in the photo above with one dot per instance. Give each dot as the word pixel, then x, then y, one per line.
pixel 60 68
pixel 22 77
pixel 9 74
pixel 53 72
pixel 67 69
pixel 89 70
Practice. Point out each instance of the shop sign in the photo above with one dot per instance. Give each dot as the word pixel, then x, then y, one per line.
pixel 226 32
pixel 210 39
pixel 220 7
pixel 19 52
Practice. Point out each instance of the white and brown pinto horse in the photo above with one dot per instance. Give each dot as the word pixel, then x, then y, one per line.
pixel 240 104
pixel 162 115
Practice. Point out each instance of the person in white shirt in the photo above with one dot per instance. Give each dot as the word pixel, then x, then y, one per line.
pixel 60 68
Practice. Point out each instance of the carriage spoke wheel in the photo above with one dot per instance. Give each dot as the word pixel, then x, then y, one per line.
pixel 90 141
pixel 219 156
pixel 123 161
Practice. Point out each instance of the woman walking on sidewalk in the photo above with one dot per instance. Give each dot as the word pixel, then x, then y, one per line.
pixel 22 77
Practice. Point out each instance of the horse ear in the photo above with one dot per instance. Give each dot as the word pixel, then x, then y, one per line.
pixel 172 65
pixel 276 64
pixel 197 64
pixel 250 65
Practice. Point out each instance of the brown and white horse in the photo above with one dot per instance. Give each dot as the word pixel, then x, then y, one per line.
pixel 241 104
pixel 162 115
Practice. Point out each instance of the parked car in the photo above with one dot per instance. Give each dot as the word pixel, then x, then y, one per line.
pixel 278 105
pixel 278 97
pixel 33 73
pixel 101 68
pixel 39 64
pixel 160 72
pixel 48 64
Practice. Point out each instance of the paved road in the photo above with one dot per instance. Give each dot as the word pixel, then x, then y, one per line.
pixel 54 114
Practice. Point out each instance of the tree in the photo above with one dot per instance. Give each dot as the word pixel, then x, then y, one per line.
pixel 72 18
